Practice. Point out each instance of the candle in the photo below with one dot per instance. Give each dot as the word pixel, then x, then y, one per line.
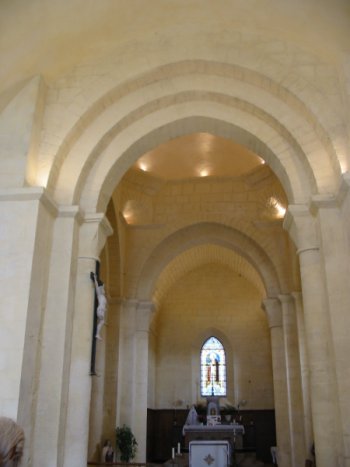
pixel 173 453
pixel 178 448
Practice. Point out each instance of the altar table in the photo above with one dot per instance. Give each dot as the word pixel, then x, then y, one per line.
pixel 232 433
pixel 210 453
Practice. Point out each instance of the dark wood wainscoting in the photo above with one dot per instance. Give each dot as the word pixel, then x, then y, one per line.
pixel 164 431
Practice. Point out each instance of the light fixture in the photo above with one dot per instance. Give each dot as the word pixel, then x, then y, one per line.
pixel 143 166
pixel 279 208
pixel 204 172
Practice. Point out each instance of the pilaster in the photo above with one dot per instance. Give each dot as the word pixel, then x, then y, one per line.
pixel 305 232
pixel 56 338
pixel 23 286
pixel 335 252
pixel 133 369
pixel 272 307
pixel 144 312
pixel 304 374
pixel 92 236
pixel 295 406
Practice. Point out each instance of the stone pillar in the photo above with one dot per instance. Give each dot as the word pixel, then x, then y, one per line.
pixel 104 384
pixel 295 405
pixel 126 363
pixel 133 370
pixel 335 253
pixel 302 228
pixel 97 398
pixel 305 374
pixel 273 311
pixel 23 286
pixel 55 340
pixel 20 211
pixel 143 319
pixel 92 237
pixel 344 203
pixel 111 368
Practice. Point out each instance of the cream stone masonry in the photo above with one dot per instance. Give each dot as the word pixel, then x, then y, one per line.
pixel 23 298
pixel 20 127
pixel 324 402
pixel 334 249
pixel 304 373
pixel 92 237
pixel 144 314
pixel 51 393
pixel 272 307
pixel 295 406
pixel 133 370
pixel 88 93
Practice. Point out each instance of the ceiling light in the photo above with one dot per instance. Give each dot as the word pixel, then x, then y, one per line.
pixel 279 208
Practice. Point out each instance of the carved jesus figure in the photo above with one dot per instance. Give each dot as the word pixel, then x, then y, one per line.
pixel 102 304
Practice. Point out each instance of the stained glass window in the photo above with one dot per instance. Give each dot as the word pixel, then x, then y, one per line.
pixel 213 368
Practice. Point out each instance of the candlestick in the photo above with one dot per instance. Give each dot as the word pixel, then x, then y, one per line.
pixel 178 448
pixel 173 453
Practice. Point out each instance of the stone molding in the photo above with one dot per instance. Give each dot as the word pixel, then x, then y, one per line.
pixel 73 212
pixel 272 308
pixel 30 194
pixel 98 217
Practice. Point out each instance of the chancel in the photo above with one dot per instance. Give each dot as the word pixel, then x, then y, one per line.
pixel 195 157
pixel 212 429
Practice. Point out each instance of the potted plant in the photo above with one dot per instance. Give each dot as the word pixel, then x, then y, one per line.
pixel 126 443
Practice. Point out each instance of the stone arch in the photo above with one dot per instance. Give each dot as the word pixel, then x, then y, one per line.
pixel 199 256
pixel 107 176
pixel 283 123
pixel 211 233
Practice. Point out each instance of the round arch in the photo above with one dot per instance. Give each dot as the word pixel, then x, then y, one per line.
pixel 199 256
pixel 211 233
pixel 252 109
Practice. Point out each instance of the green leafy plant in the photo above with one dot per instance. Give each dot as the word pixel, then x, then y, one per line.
pixel 126 443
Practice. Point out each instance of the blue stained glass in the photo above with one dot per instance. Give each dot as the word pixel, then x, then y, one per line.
pixel 213 368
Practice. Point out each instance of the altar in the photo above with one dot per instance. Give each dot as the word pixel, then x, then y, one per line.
pixel 232 433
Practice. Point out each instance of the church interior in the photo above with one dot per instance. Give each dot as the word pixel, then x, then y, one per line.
pixel 175 175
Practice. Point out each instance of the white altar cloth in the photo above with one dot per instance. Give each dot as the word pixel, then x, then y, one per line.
pixel 209 453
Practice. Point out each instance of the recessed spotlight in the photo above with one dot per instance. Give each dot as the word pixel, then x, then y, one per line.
pixel 143 166
pixel 204 172
pixel 280 210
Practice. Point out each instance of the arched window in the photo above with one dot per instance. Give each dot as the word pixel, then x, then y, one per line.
pixel 213 368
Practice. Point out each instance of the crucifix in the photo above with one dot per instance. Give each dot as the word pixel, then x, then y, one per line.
pixel 100 305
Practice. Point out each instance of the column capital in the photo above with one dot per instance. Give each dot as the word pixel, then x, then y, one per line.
pixel 32 193
pixel 318 202
pixel 285 298
pixel 144 313
pixel 301 226
pixel 344 188
pixel 298 297
pixel 272 308
pixel 95 229
pixel 72 212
